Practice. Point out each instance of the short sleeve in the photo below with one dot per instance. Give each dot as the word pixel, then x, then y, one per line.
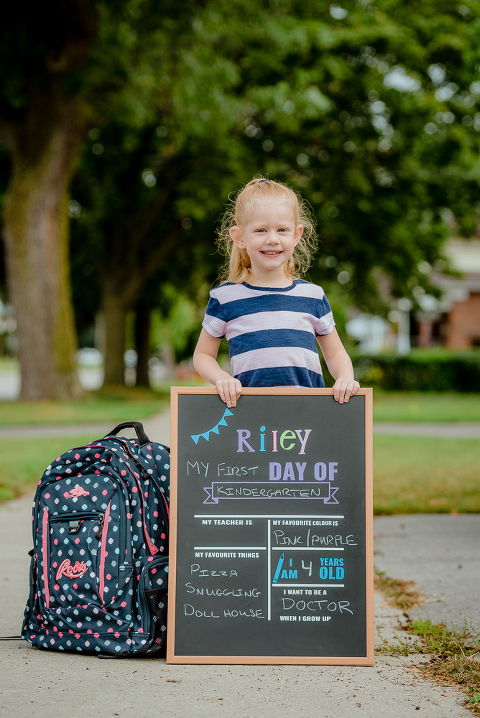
pixel 214 322
pixel 325 322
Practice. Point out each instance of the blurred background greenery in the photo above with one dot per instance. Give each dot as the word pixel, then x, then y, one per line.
pixel 126 125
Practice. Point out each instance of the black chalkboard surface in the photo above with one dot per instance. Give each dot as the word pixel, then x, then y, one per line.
pixel 271 528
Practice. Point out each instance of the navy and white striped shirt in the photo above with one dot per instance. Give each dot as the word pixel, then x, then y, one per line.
pixel 271 332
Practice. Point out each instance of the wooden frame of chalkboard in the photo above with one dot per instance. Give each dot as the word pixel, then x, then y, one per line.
pixel 271 533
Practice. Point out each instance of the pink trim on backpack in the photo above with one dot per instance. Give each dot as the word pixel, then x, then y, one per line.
pixel 45 556
pixel 103 549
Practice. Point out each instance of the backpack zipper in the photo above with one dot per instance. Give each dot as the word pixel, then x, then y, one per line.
pixel 103 547
pixel 45 556
pixel 76 518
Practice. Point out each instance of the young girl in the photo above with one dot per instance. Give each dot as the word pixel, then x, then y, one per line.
pixel 270 317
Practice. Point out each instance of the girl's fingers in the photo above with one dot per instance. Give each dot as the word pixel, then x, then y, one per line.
pixel 229 391
pixel 343 389
pixel 356 387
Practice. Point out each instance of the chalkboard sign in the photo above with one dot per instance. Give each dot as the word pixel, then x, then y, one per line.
pixel 271 528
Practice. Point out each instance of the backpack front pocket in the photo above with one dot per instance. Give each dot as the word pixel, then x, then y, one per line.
pixel 75 546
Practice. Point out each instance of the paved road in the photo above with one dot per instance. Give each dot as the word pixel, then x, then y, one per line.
pixel 443 429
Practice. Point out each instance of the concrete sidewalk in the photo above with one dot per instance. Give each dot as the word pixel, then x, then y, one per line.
pixel 42 683
pixel 440 553
pixel 159 424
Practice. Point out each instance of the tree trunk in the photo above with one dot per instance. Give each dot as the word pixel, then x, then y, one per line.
pixel 143 312
pixel 115 316
pixel 43 148
pixel 130 261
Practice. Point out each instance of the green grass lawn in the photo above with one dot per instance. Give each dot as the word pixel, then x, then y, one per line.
pixel 425 406
pixel 24 461
pixel 426 475
pixel 112 407
pixel 411 474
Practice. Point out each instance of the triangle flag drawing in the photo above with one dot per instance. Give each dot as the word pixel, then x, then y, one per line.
pixel 215 429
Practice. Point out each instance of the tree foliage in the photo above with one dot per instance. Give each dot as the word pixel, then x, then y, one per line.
pixel 370 109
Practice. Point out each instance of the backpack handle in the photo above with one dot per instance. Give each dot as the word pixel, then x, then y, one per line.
pixel 139 430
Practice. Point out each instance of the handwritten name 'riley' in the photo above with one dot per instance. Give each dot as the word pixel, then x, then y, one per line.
pixel 288 440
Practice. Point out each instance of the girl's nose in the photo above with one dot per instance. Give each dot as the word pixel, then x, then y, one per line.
pixel 272 238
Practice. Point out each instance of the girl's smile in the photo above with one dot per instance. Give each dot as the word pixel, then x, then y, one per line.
pixel 269 238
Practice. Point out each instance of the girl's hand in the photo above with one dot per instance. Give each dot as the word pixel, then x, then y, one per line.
pixel 343 389
pixel 229 390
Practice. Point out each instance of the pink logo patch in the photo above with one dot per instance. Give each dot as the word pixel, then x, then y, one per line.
pixel 77 491
pixel 66 569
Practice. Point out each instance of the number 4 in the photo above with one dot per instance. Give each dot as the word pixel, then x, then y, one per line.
pixel 307 567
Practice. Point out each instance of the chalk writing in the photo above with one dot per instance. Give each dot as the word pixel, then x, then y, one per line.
pixel 263 490
pixel 269 528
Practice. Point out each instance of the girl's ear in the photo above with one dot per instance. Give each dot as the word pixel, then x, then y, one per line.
pixel 298 234
pixel 237 237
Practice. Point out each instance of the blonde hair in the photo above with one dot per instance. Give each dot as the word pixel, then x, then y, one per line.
pixel 237 267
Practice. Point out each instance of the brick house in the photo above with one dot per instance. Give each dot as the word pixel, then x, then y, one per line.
pixel 454 323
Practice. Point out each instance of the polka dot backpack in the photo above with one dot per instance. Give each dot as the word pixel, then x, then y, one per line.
pixel 99 568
